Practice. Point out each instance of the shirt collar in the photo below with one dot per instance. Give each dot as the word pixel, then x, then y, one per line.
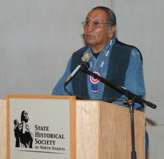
pixel 107 47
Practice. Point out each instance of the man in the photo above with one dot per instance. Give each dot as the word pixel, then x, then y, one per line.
pixel 22 132
pixel 119 63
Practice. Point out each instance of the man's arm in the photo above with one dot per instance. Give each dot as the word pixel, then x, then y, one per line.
pixel 59 87
pixel 134 79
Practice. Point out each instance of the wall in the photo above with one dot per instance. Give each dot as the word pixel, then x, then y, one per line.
pixel 36 39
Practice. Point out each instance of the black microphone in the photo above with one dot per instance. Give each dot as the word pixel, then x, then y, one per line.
pixel 84 60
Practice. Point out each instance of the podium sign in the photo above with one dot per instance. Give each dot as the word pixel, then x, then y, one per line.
pixel 41 127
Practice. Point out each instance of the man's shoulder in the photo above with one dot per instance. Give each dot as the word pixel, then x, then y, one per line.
pixel 80 51
pixel 128 46
pixel 76 56
pixel 133 49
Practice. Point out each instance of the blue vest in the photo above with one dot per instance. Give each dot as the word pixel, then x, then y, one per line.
pixel 118 63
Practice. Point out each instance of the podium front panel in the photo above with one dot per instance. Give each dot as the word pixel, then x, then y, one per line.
pixel 41 127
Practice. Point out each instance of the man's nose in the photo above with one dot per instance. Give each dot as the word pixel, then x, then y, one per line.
pixel 89 27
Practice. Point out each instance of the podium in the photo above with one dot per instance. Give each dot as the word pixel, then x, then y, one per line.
pixel 98 130
pixel 103 131
pixel 3 129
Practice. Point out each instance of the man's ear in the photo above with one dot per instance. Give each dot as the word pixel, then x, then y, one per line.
pixel 112 32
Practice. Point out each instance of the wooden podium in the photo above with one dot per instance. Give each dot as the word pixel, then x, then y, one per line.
pixel 3 129
pixel 101 131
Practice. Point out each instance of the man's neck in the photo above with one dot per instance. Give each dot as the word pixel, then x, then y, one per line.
pixel 98 48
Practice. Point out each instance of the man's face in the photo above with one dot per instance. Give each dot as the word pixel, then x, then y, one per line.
pixel 26 118
pixel 97 31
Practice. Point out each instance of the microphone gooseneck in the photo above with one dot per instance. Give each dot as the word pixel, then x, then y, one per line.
pixel 83 65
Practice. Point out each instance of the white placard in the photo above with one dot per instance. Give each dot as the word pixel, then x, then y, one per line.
pixel 39 128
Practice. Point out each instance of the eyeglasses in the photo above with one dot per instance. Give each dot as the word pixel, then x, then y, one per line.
pixel 94 24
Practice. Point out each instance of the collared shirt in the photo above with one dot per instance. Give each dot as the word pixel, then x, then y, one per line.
pixel 134 80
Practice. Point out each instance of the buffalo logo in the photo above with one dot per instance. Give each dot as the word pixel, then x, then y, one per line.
pixel 23 136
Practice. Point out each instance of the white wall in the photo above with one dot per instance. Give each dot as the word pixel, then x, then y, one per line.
pixel 36 39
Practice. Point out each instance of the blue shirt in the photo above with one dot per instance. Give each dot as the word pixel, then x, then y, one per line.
pixel 134 80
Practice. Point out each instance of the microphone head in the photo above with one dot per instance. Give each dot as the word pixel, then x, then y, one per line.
pixel 86 57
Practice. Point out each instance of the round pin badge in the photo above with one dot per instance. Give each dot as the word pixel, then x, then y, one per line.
pixel 94 80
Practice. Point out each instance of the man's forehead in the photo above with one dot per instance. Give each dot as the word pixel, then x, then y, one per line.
pixel 97 14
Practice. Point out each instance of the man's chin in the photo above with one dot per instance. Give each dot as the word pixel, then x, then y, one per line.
pixel 89 39
pixel 90 42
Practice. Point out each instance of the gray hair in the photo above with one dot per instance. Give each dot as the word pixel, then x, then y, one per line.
pixel 110 14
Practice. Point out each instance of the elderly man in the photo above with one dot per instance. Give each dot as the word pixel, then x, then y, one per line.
pixel 119 63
